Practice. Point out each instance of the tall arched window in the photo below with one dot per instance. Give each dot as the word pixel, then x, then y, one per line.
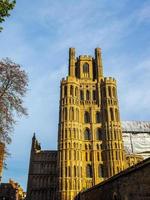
pixel 98 156
pixel 109 91
pixel 98 117
pixel 90 155
pixel 66 171
pixel 81 95
pixel 87 95
pixel 86 146
pixel 69 171
pixel 65 113
pixel 85 68
pixel 94 95
pixel 99 134
pixel 71 90
pixel 116 155
pixel 86 117
pixel 89 171
pixel 87 134
pixel 101 170
pixel 75 171
pixel 111 114
pixel 86 156
pixel 105 115
pixel 116 115
pixel 114 92
pixel 65 90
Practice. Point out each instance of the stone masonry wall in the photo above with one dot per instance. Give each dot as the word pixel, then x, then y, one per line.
pixel 131 184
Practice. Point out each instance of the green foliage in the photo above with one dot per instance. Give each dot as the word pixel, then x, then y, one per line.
pixel 5 7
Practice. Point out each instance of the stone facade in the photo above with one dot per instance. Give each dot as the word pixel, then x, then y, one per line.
pixel 11 191
pixel 42 178
pixel 133 183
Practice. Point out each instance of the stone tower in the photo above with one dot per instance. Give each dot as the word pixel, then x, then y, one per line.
pixel 90 147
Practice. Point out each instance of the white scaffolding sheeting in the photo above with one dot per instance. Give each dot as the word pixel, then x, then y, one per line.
pixel 136 136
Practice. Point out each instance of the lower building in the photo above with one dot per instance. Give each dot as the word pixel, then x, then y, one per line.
pixel 43 173
pixel 11 191
pixel 42 179
pixel 130 184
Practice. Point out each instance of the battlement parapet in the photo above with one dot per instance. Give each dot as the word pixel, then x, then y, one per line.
pixel 109 80
pixel 85 57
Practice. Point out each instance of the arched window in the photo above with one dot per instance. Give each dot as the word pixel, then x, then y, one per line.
pixel 94 95
pixel 66 171
pixel 97 146
pixel 87 134
pixel 65 113
pixel 81 95
pixel 98 117
pixel 71 90
pixel 116 155
pixel 109 91
pixel 86 156
pixel 111 114
pixel 115 135
pixel 90 155
pixel 105 115
pixel 65 90
pixel 98 156
pixel 87 95
pixel 114 92
pixel 75 174
pixel 69 171
pixel 86 146
pixel 85 68
pixel 89 171
pixel 116 115
pixel 98 134
pixel 69 155
pixel 101 170
pixel 86 117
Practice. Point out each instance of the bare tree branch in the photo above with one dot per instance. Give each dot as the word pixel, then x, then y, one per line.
pixel 13 86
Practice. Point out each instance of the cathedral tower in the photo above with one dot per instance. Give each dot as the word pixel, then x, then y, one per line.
pixel 90 147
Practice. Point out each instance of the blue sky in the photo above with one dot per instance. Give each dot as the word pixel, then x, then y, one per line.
pixel 38 34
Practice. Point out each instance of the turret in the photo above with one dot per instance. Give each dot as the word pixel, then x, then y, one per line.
pixel 98 62
pixel 72 62
pixel 113 150
pixel 35 144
